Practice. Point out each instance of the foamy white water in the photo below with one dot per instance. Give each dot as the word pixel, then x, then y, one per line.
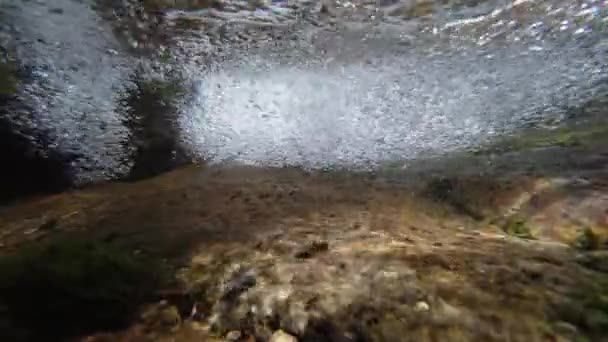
pixel 389 107
pixel 76 78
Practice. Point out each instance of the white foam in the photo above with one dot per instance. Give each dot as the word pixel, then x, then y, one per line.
pixel 394 108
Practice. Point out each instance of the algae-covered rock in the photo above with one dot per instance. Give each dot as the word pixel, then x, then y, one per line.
pixel 69 287
pixel 517 227
pixel 587 240
pixel 587 308
pixel 596 260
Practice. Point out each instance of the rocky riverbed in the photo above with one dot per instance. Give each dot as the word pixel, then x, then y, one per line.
pixel 284 254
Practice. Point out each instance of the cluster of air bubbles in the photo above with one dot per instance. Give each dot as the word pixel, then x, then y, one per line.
pixel 333 110
pixel 269 88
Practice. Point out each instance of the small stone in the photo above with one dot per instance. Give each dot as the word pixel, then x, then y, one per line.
pixel 281 336
pixel 233 335
pixel 421 306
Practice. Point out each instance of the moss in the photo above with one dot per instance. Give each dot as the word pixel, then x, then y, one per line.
pixel 166 91
pixel 441 189
pixel 455 193
pixel 89 286
pixel 151 114
pixel 517 227
pixel 8 81
pixel 414 10
pixel 421 9
pixel 579 136
pixel 587 240
pixel 165 56
pixel 595 260
pixel 588 308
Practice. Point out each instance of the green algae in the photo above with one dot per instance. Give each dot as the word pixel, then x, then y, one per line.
pixel 68 287
pixel 8 80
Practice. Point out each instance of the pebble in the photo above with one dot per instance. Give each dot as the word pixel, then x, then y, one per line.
pixel 281 336
pixel 422 306
pixel 234 335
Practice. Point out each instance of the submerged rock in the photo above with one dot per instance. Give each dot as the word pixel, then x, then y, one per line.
pixel 398 261
pixel 91 285
pixel 422 307
pixel 281 336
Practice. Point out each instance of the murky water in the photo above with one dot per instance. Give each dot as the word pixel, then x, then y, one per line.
pixel 367 89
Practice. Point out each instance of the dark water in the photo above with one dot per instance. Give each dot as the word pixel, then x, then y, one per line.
pixel 282 87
